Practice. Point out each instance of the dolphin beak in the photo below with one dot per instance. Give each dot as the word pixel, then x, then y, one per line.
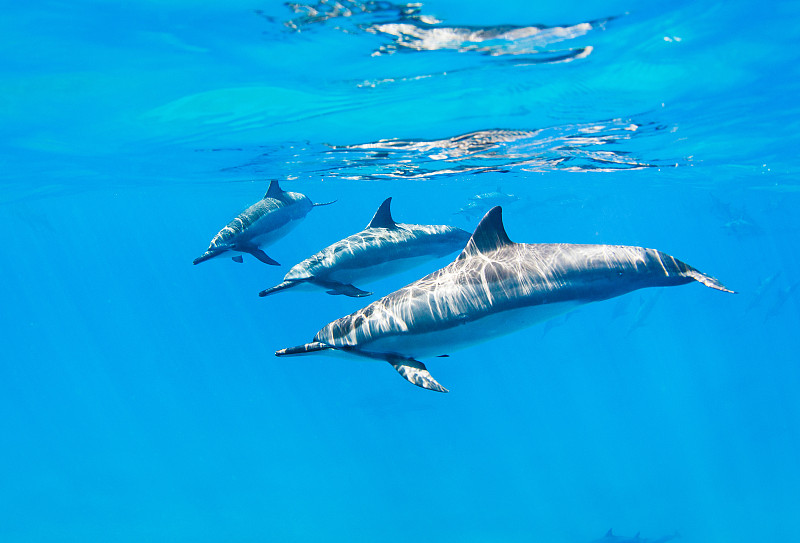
pixel 278 288
pixel 312 347
pixel 206 256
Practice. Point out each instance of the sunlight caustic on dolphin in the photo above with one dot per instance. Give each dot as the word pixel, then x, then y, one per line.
pixel 494 287
pixel 261 224
pixel 383 248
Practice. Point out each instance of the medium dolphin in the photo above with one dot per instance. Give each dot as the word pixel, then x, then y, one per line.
pixel 261 224
pixel 383 248
pixel 494 287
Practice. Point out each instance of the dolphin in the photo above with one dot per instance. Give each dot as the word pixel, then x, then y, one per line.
pixel 610 537
pixel 383 248
pixel 784 294
pixel 481 203
pixel 764 286
pixel 646 305
pixel 263 223
pixel 494 287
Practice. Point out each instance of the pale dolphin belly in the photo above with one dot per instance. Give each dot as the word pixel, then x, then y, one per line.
pixel 272 235
pixel 445 341
pixel 368 274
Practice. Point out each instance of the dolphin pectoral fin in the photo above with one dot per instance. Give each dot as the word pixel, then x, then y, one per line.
pixel 279 287
pixel 342 288
pixel 416 373
pixel 259 254
pixel 348 290
pixel 262 256
pixel 238 259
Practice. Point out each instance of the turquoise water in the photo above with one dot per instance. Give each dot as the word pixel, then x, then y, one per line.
pixel 140 396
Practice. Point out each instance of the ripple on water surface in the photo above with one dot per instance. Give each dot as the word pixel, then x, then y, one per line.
pixel 405 28
pixel 579 147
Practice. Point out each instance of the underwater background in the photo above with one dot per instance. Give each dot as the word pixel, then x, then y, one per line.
pixel 140 397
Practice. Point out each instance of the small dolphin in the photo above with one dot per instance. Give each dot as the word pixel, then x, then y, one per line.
pixel 479 204
pixel 262 223
pixel 736 221
pixel 611 538
pixel 383 248
pixel 494 287
pixel 766 285
pixel 646 305
pixel 781 296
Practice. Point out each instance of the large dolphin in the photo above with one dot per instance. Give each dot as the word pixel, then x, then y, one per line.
pixel 261 224
pixel 494 287
pixel 383 248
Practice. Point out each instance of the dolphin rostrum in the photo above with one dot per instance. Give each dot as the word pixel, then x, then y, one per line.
pixel 383 248
pixel 494 287
pixel 261 224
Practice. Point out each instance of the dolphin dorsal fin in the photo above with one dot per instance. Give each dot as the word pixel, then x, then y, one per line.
pixel 274 190
pixel 488 236
pixel 383 217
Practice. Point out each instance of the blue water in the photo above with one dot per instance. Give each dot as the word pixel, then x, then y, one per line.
pixel 140 397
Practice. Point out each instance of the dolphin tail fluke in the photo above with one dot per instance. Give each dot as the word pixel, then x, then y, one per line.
pixel 279 287
pixel 416 373
pixel 707 280
pixel 313 347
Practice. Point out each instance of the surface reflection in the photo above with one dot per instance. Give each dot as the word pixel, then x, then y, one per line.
pixel 574 147
pixel 408 29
